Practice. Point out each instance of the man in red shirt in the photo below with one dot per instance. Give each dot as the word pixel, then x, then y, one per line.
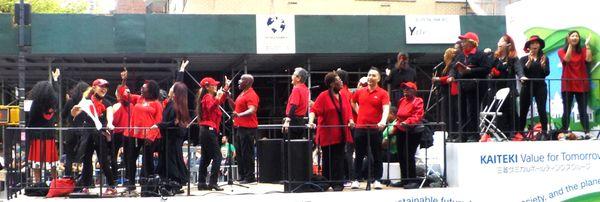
pixel 246 123
pixel 373 106
pixel 297 106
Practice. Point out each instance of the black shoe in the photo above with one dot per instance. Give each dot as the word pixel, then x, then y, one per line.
pixel 397 184
pixel 411 185
pixel 338 187
pixel 215 187
pixel 202 187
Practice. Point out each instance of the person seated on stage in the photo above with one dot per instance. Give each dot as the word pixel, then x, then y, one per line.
pixel 297 106
pixel 334 113
pixel 410 112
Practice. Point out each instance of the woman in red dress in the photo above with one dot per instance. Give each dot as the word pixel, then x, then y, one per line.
pixel 334 113
pixel 42 148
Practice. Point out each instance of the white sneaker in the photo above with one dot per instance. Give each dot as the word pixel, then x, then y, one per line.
pixel 347 184
pixel 377 185
pixel 355 185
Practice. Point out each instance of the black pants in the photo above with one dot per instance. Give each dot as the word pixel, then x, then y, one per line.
pixel 299 131
pixel 131 147
pixel 148 167
pixel 97 142
pixel 407 147
pixel 71 139
pixel 539 92
pixel 210 151
pixel 117 142
pixel 349 164
pixel 470 106
pixel 245 141
pixel 581 98
pixel 507 123
pixel 333 163
pixel 363 139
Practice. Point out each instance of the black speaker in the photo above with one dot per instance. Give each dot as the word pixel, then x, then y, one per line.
pixel 27 11
pixel 270 160
pixel 300 164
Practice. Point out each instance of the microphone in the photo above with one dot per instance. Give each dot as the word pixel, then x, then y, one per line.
pixel 438 65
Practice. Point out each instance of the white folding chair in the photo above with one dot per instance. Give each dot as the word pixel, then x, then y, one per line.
pixel 490 112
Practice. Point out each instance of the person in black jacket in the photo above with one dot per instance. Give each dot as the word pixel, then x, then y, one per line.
pixel 470 64
pixel 401 73
pixel 506 65
pixel 71 137
pixel 174 129
pixel 535 67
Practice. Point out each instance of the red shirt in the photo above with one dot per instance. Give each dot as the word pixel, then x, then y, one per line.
pixel 211 114
pixel 370 106
pixel 145 114
pixel 298 97
pixel 574 69
pixel 453 85
pixel 327 115
pixel 410 111
pixel 121 118
pixel 242 103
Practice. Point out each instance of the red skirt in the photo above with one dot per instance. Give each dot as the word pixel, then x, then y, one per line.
pixel 42 151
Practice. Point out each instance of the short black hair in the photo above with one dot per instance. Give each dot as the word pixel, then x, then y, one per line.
pixel 343 75
pixel 330 78
pixel 153 90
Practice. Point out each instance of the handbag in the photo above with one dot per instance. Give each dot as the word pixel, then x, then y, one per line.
pixel 61 187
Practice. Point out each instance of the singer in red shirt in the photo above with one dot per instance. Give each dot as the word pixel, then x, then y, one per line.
pixel 246 124
pixel 373 106
pixel 209 115
pixel 575 79
pixel 334 115
pixel 297 106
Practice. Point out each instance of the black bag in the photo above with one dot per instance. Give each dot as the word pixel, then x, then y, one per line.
pixel 154 186
pixel 426 134
pixel 37 189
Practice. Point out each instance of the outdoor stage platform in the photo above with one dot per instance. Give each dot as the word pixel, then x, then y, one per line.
pixel 492 171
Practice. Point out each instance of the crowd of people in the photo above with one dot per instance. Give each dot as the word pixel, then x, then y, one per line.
pixel 347 122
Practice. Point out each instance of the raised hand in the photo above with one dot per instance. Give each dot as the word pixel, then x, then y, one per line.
pixel 56 74
pixel 184 64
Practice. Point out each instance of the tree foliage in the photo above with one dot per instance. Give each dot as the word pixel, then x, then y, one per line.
pixel 48 6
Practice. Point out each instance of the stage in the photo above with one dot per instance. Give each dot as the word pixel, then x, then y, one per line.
pixel 274 192
pixel 491 171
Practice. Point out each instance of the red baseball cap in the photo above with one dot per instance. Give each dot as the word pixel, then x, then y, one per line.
pixel 100 82
pixel 409 85
pixel 470 36
pixel 208 81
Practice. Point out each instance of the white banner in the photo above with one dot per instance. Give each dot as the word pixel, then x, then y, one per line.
pixel 551 170
pixel 432 29
pixel 275 34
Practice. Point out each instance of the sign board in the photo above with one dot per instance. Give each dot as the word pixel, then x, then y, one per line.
pixel 275 34
pixel 432 29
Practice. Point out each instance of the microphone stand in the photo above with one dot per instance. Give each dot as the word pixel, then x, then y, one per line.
pixel 433 87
